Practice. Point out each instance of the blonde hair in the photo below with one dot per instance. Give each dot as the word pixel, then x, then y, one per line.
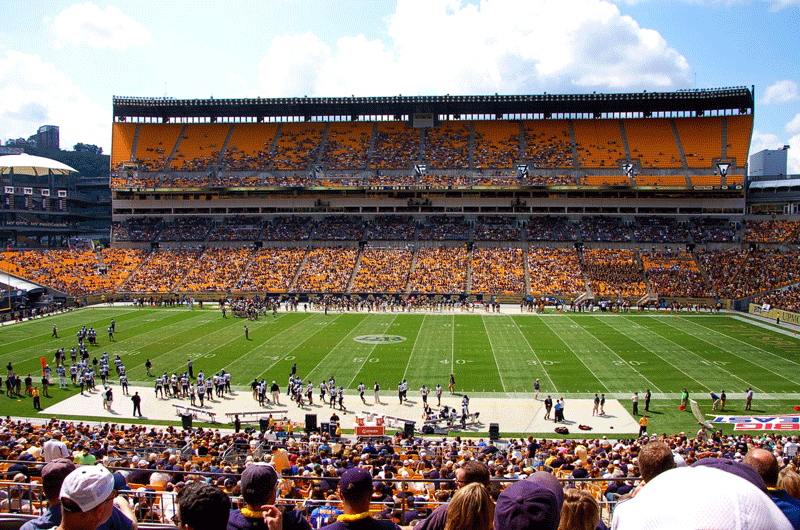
pixel 580 511
pixel 472 508
pixel 789 480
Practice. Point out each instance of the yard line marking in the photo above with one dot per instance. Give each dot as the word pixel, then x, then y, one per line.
pixel 731 352
pixel 631 336
pixel 546 373
pixel 720 368
pixel 743 342
pixel 366 359
pixel 573 352
pixel 620 358
pixel 488 336
pixel 414 347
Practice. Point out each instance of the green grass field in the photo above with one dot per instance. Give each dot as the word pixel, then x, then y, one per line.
pixel 574 355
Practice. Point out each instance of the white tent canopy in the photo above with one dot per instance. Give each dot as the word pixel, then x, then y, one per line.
pixel 32 165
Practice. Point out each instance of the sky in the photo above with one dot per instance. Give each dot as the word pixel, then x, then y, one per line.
pixel 61 62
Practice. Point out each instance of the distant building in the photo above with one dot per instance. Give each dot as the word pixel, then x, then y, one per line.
pixel 769 162
pixel 47 137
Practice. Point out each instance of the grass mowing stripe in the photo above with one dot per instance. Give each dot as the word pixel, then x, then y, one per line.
pixel 474 367
pixel 369 323
pixel 659 325
pixel 432 352
pixel 647 339
pixel 533 353
pixel 731 351
pixel 494 352
pixel 779 357
pixel 224 343
pixel 168 353
pixel 571 334
pixel 340 358
pixel 620 341
pixel 44 341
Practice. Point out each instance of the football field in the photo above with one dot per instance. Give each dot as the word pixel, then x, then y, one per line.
pixel 500 355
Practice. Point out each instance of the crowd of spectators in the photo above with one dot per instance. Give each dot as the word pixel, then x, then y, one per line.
pixel 327 270
pixel 763 270
pixel 217 269
pixel 654 230
pixel 340 228
pixel 185 229
pixel 137 229
pixel 771 231
pixel 542 228
pixel 500 228
pixel 347 145
pixel 555 271
pixel 391 227
pixel 409 477
pixel 161 271
pixel 78 272
pixel 236 229
pixel 674 273
pixel 288 228
pixel 614 272
pixel 395 146
pixel 712 230
pixel 447 146
pixel 271 270
pixel 442 227
pixel 440 270
pixel 383 270
pixel 721 266
pixel 603 229
pixel 787 299
pixel 298 146
pixel 498 271
pixel 548 148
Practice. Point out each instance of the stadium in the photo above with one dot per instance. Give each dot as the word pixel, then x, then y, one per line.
pixel 593 243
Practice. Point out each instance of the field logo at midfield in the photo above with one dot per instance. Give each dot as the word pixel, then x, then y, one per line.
pixel 379 339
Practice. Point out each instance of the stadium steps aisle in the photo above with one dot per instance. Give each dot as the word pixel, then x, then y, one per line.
pixel 198 259
pixel 523 145
pixel 724 140
pixel 680 149
pixel 371 145
pixel 702 269
pixel 124 285
pixel 640 263
pixel 323 142
pixel 356 266
pixel 574 145
pixel 299 270
pixel 225 144
pixel 625 142
pixel 411 269
pixel 468 283
pixel 175 148
pixel 135 141
pixel 527 272
pixel 471 155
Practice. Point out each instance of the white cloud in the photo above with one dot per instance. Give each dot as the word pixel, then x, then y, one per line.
pixel 441 46
pixel 34 93
pixel 793 161
pixel 777 5
pixel 761 141
pixel 87 23
pixel 781 92
pixel 794 126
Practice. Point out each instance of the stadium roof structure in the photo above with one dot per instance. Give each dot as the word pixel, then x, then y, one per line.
pixel 25 164
pixel 697 101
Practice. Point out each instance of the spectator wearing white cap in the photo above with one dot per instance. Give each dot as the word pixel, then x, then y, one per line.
pixel 694 498
pixel 87 498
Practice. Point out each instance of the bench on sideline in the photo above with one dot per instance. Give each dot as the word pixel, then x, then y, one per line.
pixel 194 411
